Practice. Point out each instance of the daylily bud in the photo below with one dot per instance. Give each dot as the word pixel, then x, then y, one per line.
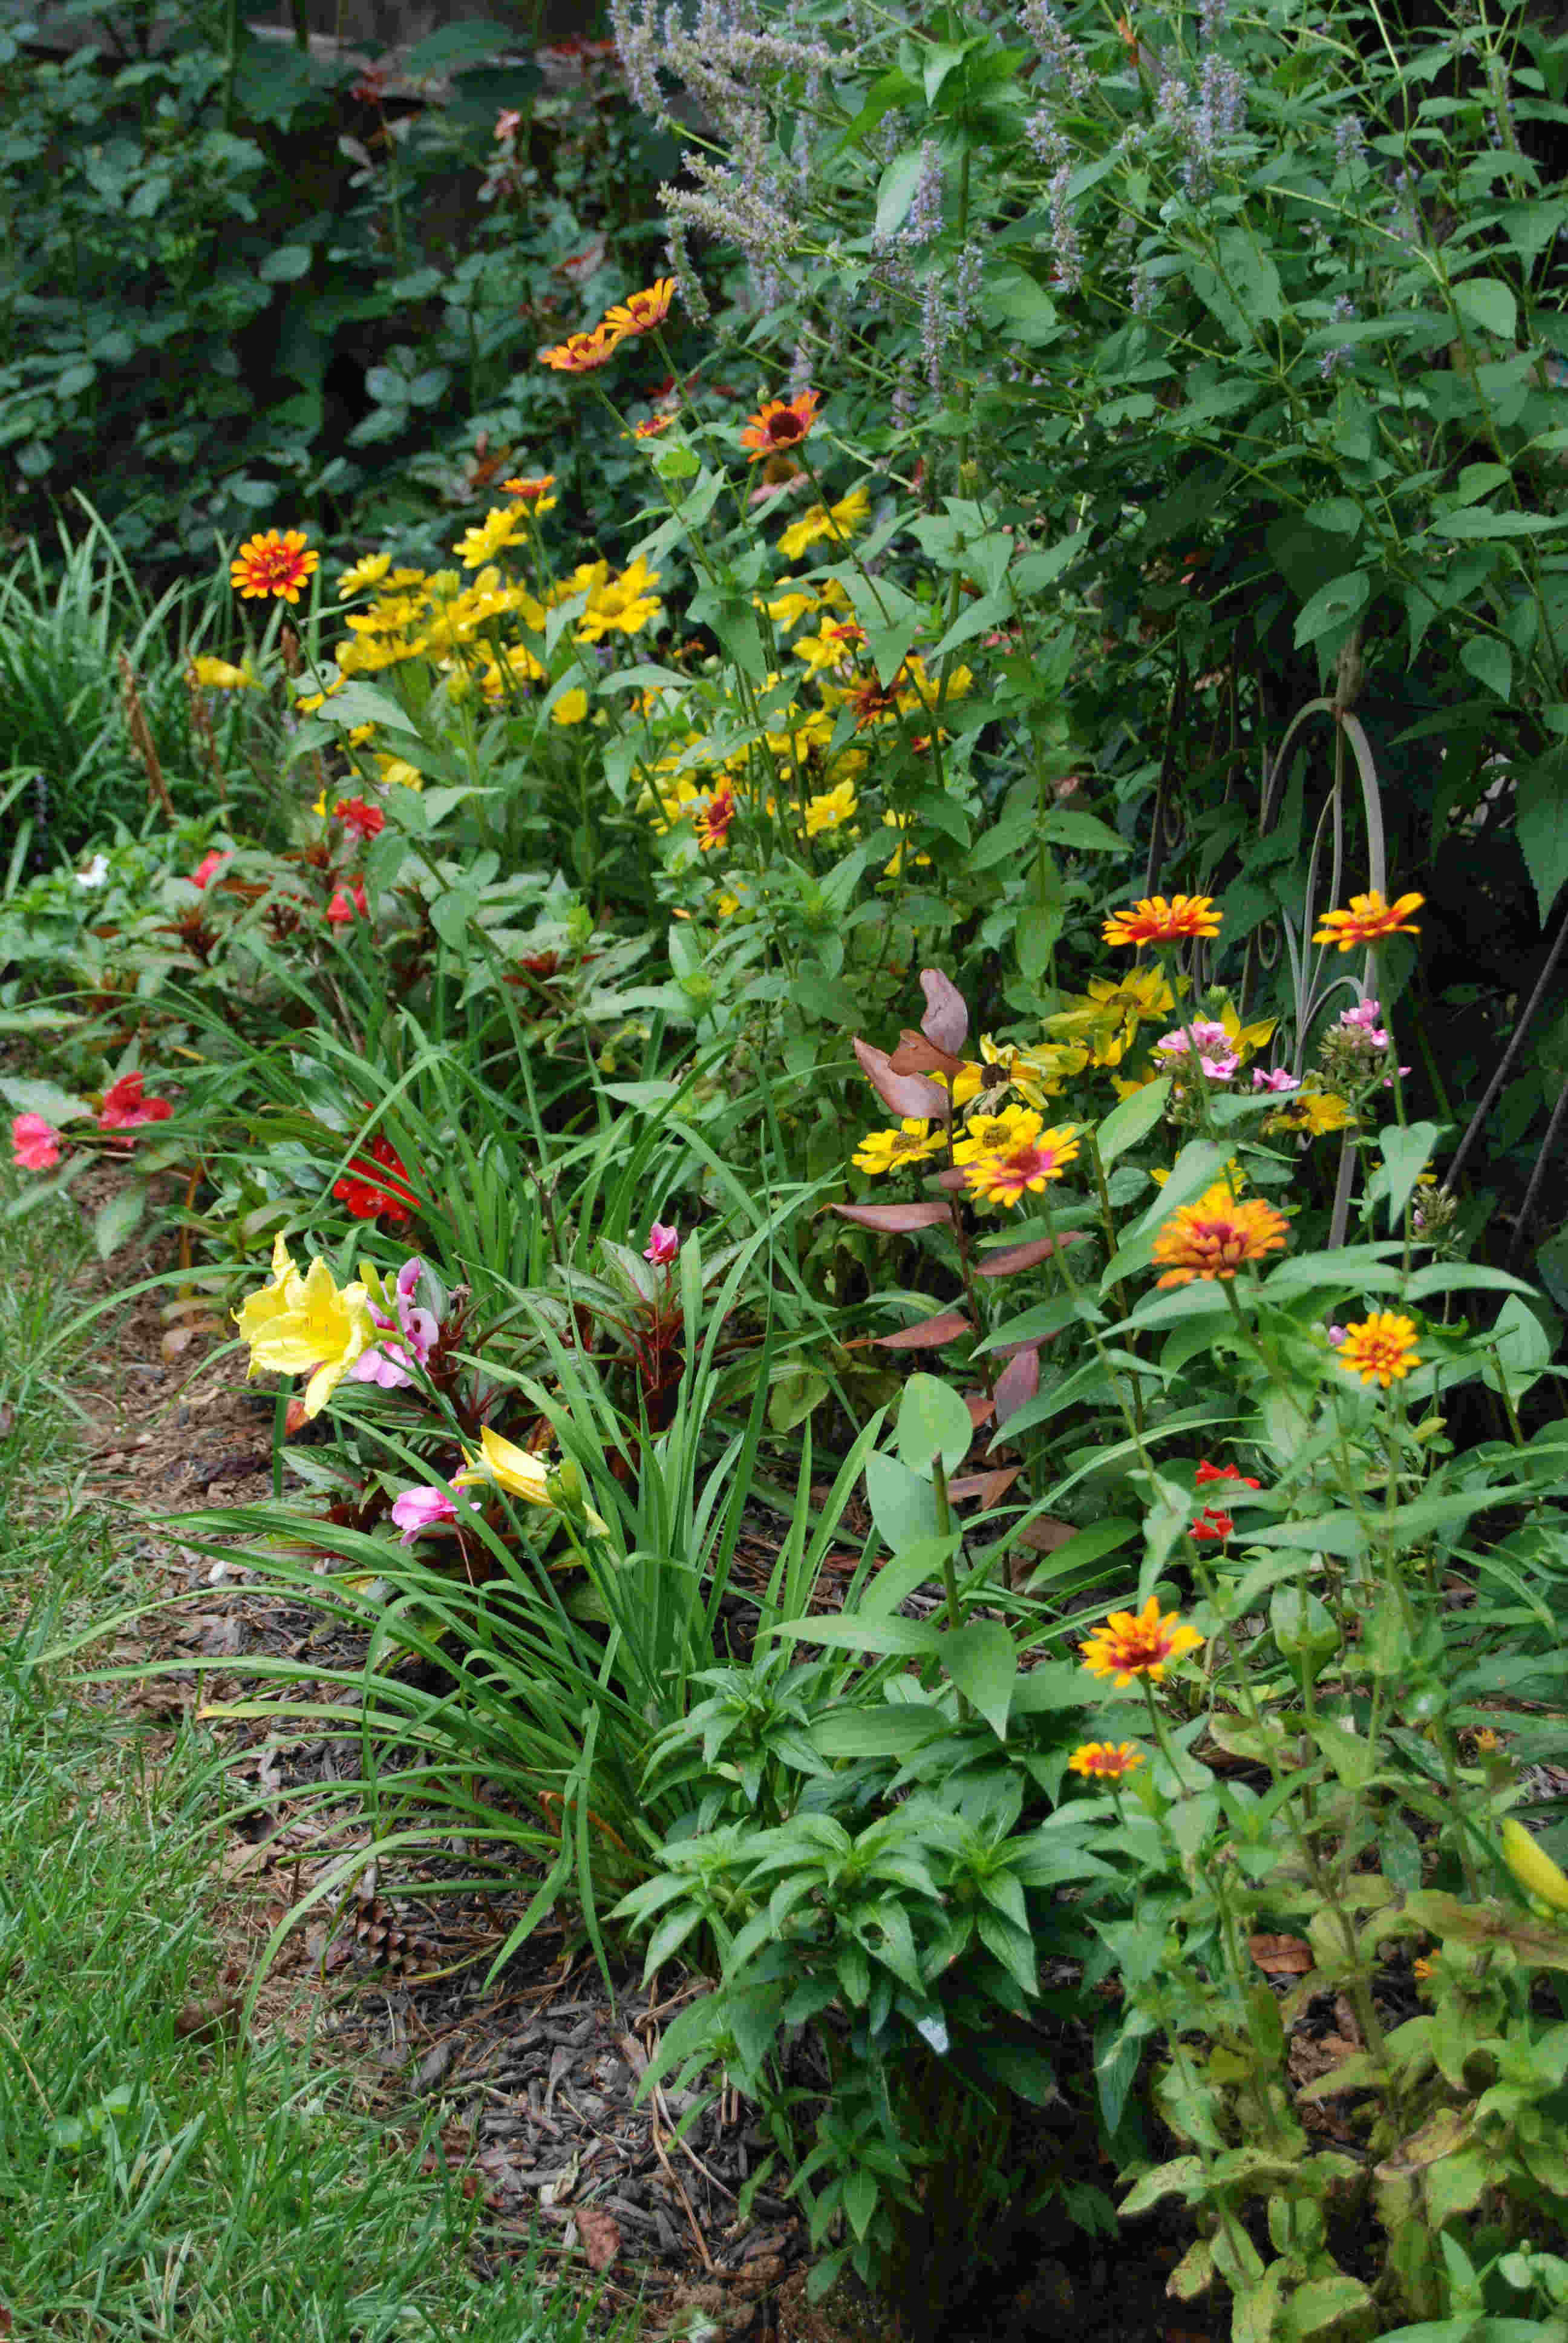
pixel 1540 1877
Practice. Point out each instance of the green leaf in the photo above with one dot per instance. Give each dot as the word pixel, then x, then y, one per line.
pixel 1034 938
pixel 1405 1156
pixel 1332 605
pixel 1084 832
pixel 981 1661
pixel 1480 521
pixel 896 192
pixel 1079 1551
pixel 1490 661
pixel 1486 302
pixel 453 48
pixel 1523 1346
pixel 451 913
pixel 115 1221
pixel 915 1639
pixel 1541 824
pixel 1133 1119
pixel 47 1099
pixel 933 1422
pixel 903 1503
pixel 285 264
pixel 1353 1759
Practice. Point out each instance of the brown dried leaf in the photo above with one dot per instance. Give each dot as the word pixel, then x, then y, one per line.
pixel 906 1094
pixel 1045 1535
pixel 917 1055
pixel 990 1488
pixel 896 1220
pixel 1282 1955
pixel 600 2235
pixel 929 1334
pixel 1017 1382
pixel 1009 1258
pixel 946 1018
pixel 204 2020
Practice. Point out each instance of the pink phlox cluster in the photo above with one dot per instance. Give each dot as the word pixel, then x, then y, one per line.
pixel 1215 1053
pixel 1277 1078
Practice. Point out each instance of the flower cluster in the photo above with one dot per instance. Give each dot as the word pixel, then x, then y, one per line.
pixel 36 1145
pixel 639 313
pixel 306 1326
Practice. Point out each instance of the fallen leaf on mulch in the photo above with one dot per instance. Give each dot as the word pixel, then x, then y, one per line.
pixel 1309 2057
pixel 601 2236
pixel 1282 1955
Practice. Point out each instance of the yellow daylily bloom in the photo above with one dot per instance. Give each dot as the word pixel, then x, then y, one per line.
pixel 305 1325
pixel 222 675
pixel 570 707
pixel 506 1466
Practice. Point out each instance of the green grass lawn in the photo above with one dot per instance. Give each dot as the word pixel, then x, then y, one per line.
pixel 156 2182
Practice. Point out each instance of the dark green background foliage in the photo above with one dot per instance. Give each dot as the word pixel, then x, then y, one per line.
pixel 260 287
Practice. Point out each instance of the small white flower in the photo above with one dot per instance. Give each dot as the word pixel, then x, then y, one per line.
pixel 96 871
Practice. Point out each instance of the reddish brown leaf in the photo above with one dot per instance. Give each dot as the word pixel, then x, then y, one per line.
pixel 946 1018
pixel 990 1488
pixel 1045 1535
pixel 952 1181
pixel 1017 1382
pixel 1280 1955
pixel 1008 1257
pixel 895 1219
pixel 917 1055
pixel 929 1334
pixel 904 1094
pixel 981 1405
pixel 601 2236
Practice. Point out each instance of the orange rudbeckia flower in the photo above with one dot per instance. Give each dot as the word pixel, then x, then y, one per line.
pixel 779 424
pixel 640 312
pixel 1153 920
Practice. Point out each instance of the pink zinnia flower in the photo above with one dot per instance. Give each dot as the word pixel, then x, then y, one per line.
pixel 125 1108
pixel 35 1143
pixel 207 868
pixel 663 1244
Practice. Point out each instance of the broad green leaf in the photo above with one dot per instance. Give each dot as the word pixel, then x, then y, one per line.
pixel 450 914
pixel 1486 302
pixel 47 1099
pixel 933 1422
pixel 1406 1154
pixel 1490 661
pixel 1133 1119
pixel 903 1503
pixel 1332 605
pixel 1523 1346
pixel 981 1661
pixel 1541 824
pixel 115 1221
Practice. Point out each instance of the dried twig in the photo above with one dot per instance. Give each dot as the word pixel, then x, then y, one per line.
pixel 141 737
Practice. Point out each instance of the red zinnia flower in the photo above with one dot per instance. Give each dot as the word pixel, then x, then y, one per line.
pixel 125 1108
pixel 1211 1523
pixel 714 815
pixel 363 818
pixel 780 424
pixel 273 565
pixel 207 868
pixel 344 904
pixel 1207 1472
pixel 367 1191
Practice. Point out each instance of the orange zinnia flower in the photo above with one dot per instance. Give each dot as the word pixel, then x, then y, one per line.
pixel 1214 1236
pixel 531 491
pixel 1368 921
pixel 273 564
pixel 640 312
pixel 1142 1644
pixel 780 424
pixel 1153 920
pixel 1107 1761
pixel 1379 1349
pixel 651 425
pixel 581 353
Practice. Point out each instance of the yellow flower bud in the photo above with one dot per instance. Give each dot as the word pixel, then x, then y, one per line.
pixel 1533 1868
